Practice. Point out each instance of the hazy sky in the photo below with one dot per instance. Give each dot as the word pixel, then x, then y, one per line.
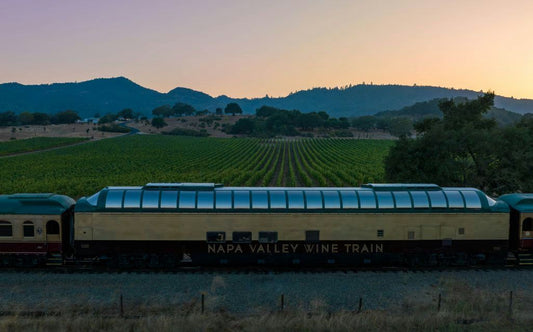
pixel 251 48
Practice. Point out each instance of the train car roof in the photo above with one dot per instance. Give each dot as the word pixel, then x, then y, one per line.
pixel 519 202
pixel 47 204
pixel 189 197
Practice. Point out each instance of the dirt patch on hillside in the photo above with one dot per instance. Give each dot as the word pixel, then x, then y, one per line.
pixel 62 130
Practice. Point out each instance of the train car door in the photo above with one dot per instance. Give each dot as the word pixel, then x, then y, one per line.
pixel 52 231
pixel 526 240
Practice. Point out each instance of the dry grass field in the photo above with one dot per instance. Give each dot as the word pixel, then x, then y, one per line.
pixel 464 310
pixel 83 130
pixel 466 305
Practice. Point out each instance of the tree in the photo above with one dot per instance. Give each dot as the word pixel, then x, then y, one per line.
pixel 68 116
pixel 162 111
pixel 41 118
pixel 400 126
pixel 183 109
pixel 364 123
pixel 25 118
pixel 8 118
pixel 159 123
pixel 455 151
pixel 108 118
pixel 243 126
pixel 218 111
pixel 233 108
pixel 126 113
pixel 309 121
pixel 266 111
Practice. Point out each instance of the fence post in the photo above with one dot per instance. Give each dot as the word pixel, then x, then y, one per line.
pixel 121 306
pixel 438 303
pixel 511 304
pixel 203 302
pixel 360 304
pixel 282 302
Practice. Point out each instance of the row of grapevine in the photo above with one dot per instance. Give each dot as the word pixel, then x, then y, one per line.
pixel 135 160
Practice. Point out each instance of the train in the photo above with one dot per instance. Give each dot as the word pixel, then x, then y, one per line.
pixel 169 225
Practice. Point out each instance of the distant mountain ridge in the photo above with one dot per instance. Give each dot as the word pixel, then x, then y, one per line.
pixel 105 95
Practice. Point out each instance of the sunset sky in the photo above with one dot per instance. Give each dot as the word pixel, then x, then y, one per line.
pixel 251 48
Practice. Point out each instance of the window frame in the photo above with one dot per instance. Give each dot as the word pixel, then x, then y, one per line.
pixel 5 224
pixel 25 226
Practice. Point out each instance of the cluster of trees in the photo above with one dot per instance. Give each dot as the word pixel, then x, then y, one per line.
pixel 181 109
pixel 466 149
pixel 26 118
pixel 126 114
pixel 396 126
pixel 271 121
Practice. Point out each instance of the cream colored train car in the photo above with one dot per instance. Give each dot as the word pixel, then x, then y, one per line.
pixel 165 225
pixel 34 229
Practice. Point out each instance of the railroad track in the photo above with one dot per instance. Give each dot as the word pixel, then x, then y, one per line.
pixel 256 270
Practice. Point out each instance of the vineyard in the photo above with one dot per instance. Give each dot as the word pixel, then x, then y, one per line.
pixel 37 143
pixel 136 160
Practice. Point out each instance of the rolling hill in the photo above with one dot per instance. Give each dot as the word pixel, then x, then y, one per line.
pixel 106 95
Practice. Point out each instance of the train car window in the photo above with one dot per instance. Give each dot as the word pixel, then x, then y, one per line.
pixel 132 199
pixel 52 227
pixel 216 237
pixel 367 199
pixel 385 200
pixel 28 229
pixel 206 200
pixel 223 200
pixel 312 236
pixel 403 200
pixel 169 199
pixel 6 229
pixel 331 199
pixel 461 231
pixel 150 199
pixel 187 200
pixel 313 199
pixel 242 237
pixel 455 200
pixel 241 199
pixel 420 199
pixel 472 199
pixel 380 233
pixel 277 200
pixel 114 199
pixel 349 200
pixel 527 225
pixel 296 199
pixel 268 237
pixel 410 235
pixel 437 199
pixel 259 200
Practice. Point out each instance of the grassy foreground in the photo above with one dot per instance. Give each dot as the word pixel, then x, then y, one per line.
pixel 462 308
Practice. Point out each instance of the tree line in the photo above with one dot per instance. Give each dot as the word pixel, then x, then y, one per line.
pixel 270 121
pixel 466 149
pixel 9 118
pixel 181 109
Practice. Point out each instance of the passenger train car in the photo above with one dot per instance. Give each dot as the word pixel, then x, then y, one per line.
pixel 172 224
pixel 34 228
